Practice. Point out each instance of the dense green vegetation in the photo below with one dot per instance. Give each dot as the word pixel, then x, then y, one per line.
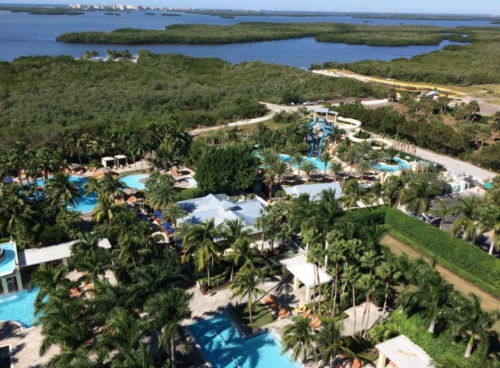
pixel 251 32
pixel 454 64
pixel 421 16
pixel 41 10
pixel 67 95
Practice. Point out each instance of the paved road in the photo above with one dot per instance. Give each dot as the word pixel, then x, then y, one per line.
pixel 455 164
pixel 275 109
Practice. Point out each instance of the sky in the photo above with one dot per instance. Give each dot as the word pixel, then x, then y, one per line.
pixel 399 6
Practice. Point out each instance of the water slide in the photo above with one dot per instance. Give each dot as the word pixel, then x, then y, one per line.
pixel 327 131
pixel 311 148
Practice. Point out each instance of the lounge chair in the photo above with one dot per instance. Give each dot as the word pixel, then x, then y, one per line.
pixel 74 293
pixel 276 306
pixel 315 323
pixel 269 299
pixel 306 313
pixel 283 313
pixel 356 363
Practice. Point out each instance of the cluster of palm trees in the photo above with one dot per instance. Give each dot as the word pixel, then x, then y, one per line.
pixel 96 321
pixel 475 216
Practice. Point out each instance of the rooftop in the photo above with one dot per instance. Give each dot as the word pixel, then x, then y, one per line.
pixel 220 208
pixel 32 257
pixel 314 190
pixel 323 110
pixel 404 353
pixel 304 271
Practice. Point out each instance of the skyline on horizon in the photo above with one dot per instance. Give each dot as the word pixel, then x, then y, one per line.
pixel 480 7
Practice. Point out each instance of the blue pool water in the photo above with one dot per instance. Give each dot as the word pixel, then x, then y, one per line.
pixel 402 164
pixel 18 307
pixel 319 165
pixel 7 264
pixel 224 347
pixel 134 181
pixel 87 202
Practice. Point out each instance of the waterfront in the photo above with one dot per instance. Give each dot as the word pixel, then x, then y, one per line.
pixel 22 35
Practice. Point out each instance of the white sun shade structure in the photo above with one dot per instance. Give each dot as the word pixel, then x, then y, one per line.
pixel 402 353
pixel 304 273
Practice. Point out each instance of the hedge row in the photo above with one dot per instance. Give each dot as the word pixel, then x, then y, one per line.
pixel 367 215
pixel 463 258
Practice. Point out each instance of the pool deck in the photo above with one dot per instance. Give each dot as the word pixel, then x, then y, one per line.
pixel 204 306
pixel 25 345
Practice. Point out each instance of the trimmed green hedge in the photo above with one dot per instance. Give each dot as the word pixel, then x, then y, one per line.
pixel 463 258
pixel 367 215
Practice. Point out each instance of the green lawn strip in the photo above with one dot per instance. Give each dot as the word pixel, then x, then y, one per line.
pixel 261 315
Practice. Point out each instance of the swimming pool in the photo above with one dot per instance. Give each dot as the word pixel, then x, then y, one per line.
pixel 18 307
pixel 319 165
pixel 224 347
pixel 87 202
pixel 402 164
pixel 134 181
pixel 7 265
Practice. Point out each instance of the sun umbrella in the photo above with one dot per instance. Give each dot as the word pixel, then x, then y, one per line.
pixel 170 230
pixel 167 224
pixel 158 214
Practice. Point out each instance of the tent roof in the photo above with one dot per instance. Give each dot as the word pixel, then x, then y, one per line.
pixel 404 353
pixel 323 110
pixel 108 158
pixel 304 271
pixel 32 257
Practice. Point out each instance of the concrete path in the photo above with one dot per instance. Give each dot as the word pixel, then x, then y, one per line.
pixel 372 316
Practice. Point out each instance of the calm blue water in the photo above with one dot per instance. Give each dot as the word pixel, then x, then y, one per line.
pixel 402 164
pixel 7 264
pixel 230 350
pixel 319 165
pixel 24 34
pixel 18 307
pixel 134 181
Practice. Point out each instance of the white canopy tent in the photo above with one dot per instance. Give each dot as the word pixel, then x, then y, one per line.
pixel 108 161
pixel 304 273
pixel 402 353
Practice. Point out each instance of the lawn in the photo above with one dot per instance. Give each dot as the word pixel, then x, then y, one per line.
pixel 261 315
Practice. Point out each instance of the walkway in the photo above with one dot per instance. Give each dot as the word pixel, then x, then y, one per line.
pixel 24 345
pixel 372 316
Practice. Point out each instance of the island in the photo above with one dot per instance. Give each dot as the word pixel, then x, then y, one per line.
pixel 59 10
pixel 260 31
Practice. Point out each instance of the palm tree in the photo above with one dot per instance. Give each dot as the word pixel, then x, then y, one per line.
pixel 86 255
pixel 489 216
pixel 351 275
pixel 432 295
pixel 442 211
pixel 161 195
pixel 173 211
pixel 167 310
pixel 389 274
pixel 397 186
pixel 326 159
pixel 444 362
pixel 468 211
pixel 106 209
pixel 111 186
pixel 202 240
pixel 331 343
pixel 233 231
pixel 299 338
pixel 335 168
pixel 269 178
pixel 297 160
pixel 243 254
pixel 418 197
pixel 280 168
pixel 63 190
pixel 336 253
pixel 309 168
pixel 91 186
pixel 353 194
pixel 470 318
pixel 72 145
pixel 246 284
pixel 362 168
pixel 47 279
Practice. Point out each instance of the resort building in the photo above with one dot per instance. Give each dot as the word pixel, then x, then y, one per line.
pixel 313 190
pixel 321 112
pixel 221 208
pixel 17 266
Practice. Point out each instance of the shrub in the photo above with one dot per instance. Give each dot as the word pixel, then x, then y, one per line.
pixel 52 235
pixel 463 258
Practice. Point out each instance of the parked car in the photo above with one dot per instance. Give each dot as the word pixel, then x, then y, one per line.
pixel 307 103
pixel 320 102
